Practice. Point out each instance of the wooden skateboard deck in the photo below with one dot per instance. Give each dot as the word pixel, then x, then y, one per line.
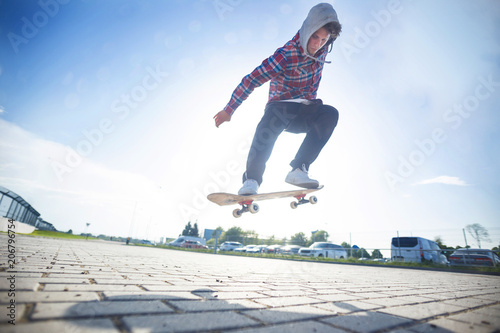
pixel 247 201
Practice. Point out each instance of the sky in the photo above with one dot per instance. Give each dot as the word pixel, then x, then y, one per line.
pixel 106 117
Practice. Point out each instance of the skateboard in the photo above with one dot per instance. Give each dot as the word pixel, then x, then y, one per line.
pixel 247 201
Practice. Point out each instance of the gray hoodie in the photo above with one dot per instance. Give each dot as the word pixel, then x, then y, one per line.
pixel 318 16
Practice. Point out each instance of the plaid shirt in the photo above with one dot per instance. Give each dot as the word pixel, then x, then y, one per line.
pixel 292 75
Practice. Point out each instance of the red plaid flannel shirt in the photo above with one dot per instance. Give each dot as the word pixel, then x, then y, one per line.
pixel 292 75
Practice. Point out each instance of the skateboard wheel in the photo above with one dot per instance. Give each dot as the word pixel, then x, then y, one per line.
pixel 294 205
pixel 236 213
pixel 253 208
pixel 313 200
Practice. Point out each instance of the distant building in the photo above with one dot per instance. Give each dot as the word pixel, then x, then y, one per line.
pixel 210 233
pixel 13 206
pixel 44 225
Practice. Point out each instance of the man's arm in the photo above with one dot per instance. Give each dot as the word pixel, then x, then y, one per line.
pixel 270 68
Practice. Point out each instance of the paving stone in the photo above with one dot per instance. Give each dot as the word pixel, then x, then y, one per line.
pixel 286 314
pixel 370 295
pixel 479 317
pixel 18 284
pixel 41 296
pixel 366 321
pixel 491 297
pixel 90 287
pixel 8 313
pixel 21 275
pixel 73 326
pixel 337 297
pixel 191 322
pixel 363 305
pixel 300 327
pixel 240 288
pixel 446 325
pixel 214 305
pixel 287 301
pixel 338 307
pixel 395 301
pixel 469 302
pixel 230 295
pixel 286 293
pixel 423 311
pixel 169 287
pixel 93 309
pixel 149 295
pixel 493 310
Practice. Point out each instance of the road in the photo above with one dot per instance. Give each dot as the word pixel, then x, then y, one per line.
pixel 63 285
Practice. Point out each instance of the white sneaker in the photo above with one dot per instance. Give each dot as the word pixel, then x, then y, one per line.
pixel 299 177
pixel 250 187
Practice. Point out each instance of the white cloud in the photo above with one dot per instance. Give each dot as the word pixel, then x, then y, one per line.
pixel 116 202
pixel 447 180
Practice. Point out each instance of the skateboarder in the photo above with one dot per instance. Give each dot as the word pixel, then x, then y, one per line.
pixel 295 72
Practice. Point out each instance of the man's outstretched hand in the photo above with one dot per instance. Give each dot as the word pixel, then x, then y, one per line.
pixel 221 117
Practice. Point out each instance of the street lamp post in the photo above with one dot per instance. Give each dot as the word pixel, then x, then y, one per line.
pixel 314 235
pixel 86 231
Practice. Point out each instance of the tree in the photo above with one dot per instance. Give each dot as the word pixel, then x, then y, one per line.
pixel 447 250
pixel 234 234
pixel 217 232
pixel 195 232
pixel 478 232
pixel 187 229
pixel 376 254
pixel 191 231
pixel 347 246
pixel 439 241
pixel 298 239
pixel 361 253
pixel 251 237
pixel 321 236
pixel 271 240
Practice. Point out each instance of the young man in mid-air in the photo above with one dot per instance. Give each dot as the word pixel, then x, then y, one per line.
pixel 295 73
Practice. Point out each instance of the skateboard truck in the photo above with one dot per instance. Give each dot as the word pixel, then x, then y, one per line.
pixel 249 206
pixel 246 206
pixel 301 200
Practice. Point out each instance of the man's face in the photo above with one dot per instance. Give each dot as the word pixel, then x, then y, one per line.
pixel 317 40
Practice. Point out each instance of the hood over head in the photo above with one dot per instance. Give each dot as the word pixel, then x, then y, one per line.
pixel 318 16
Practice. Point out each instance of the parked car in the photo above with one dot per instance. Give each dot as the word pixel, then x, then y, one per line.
pixel 274 249
pixel 244 248
pixel 146 242
pixel 257 249
pixel 444 260
pixel 290 249
pixel 181 239
pixel 416 249
pixel 191 244
pixel 230 246
pixel 324 249
pixel 474 257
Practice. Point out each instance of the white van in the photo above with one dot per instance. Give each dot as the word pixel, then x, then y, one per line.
pixel 416 249
pixel 181 239
pixel 324 249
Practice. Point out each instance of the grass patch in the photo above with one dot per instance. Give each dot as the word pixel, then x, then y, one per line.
pixel 56 234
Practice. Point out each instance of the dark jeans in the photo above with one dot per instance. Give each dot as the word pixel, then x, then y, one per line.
pixel 317 120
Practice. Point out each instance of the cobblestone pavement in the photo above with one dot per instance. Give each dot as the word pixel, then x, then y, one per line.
pixel 96 286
